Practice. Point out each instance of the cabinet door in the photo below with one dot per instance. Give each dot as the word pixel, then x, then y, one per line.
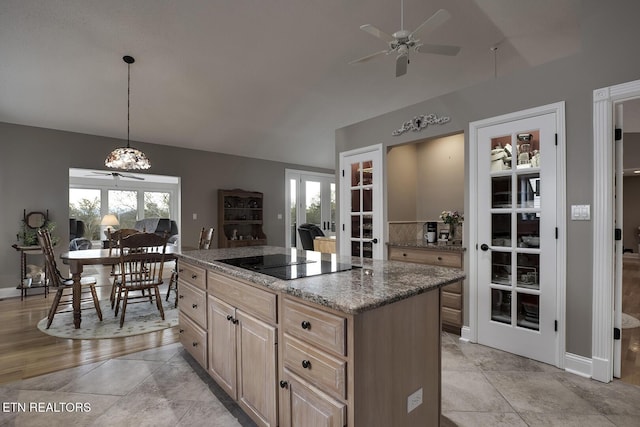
pixel 222 345
pixel 304 405
pixel 257 368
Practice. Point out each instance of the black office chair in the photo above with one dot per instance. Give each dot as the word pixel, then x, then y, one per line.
pixel 307 233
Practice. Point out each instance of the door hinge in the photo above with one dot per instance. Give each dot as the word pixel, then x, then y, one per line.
pixel 557 233
pixel 342 227
pixel 616 333
pixel 556 139
pixel 343 173
pixel 555 325
pixel 617 235
pixel 618 135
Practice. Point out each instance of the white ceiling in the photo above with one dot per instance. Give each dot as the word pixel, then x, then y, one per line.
pixel 267 79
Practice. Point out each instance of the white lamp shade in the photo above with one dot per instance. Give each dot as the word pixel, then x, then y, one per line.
pixel 109 220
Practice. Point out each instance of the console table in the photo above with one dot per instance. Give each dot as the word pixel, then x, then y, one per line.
pixel 24 251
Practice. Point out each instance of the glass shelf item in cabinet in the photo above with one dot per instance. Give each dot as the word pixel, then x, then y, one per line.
pixel 529 311
pixel 501 153
pixel 501 305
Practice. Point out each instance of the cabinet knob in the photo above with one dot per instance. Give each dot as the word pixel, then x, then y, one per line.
pixel 235 321
pixel 404 254
pixel 181 330
pixel 439 258
pixel 193 276
pixel 195 344
pixel 229 317
pixel 181 296
pixel 306 364
pixel 306 324
pixel 284 384
pixel 194 305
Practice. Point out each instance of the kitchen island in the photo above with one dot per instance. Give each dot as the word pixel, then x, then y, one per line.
pixel 359 347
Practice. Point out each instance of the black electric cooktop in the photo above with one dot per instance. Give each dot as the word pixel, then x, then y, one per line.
pixel 287 267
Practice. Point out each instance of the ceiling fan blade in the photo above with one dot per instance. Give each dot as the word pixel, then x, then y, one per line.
pixel 368 57
pixel 131 176
pixel 401 65
pixel 377 33
pixel 437 19
pixel 438 49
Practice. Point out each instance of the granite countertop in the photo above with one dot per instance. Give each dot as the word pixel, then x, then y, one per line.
pixel 441 246
pixel 355 291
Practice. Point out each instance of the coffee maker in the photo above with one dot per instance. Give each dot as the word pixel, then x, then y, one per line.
pixel 430 230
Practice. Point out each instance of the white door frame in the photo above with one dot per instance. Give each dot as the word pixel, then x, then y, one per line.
pixel 471 333
pixel 604 104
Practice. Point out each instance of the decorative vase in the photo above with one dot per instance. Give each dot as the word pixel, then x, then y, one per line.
pixel 453 232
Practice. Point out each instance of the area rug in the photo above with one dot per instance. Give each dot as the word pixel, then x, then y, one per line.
pixel 629 322
pixel 141 318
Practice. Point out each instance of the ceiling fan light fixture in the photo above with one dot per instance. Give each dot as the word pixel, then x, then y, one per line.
pixel 127 158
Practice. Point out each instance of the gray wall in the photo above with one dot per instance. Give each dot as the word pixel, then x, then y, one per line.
pixel 34 175
pixel 609 56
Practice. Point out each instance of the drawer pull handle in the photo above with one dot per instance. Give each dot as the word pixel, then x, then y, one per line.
pixel 306 364
pixel 194 305
pixel 181 330
pixel 195 344
pixel 284 384
pixel 235 321
pixel 181 296
pixel 229 317
pixel 306 324
pixel 180 270
pixel 193 276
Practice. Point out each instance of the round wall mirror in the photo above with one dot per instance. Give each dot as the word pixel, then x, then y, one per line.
pixel 36 219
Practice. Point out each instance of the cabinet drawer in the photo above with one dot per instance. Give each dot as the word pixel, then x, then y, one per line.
pixel 451 300
pixel 194 339
pixel 452 316
pixel 254 301
pixel 431 257
pixel 454 288
pixel 318 327
pixel 197 276
pixel 192 302
pixel 324 371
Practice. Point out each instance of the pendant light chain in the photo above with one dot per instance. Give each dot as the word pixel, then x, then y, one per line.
pixel 128 98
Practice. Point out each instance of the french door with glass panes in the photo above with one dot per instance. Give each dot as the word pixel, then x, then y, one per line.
pixel 516 237
pixel 361 204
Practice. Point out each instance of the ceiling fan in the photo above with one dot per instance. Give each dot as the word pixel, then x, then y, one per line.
pixel 403 41
pixel 117 175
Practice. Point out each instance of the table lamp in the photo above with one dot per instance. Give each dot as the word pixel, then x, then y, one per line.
pixel 109 221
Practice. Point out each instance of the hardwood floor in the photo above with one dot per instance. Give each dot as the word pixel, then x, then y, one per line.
pixel 26 352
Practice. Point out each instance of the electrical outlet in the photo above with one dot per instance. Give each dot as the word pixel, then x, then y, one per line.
pixel 414 400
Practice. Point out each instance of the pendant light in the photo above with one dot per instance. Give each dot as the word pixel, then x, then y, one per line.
pixel 127 158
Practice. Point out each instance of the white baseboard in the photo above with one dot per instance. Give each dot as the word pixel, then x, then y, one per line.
pixel 14 293
pixel 465 334
pixel 578 365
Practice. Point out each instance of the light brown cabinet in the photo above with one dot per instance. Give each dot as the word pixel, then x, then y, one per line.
pixel 192 303
pixel 452 295
pixel 242 347
pixel 240 218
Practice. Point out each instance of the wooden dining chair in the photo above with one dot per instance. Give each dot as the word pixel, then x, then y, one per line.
pixel 63 286
pixel 113 238
pixel 142 257
pixel 204 242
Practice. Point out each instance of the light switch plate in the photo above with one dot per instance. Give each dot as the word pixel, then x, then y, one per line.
pixel 580 212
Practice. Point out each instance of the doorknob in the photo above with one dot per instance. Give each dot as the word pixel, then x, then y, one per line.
pixel 484 247
pixel 374 240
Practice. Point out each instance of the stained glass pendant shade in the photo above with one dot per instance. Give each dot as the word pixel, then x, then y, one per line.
pixel 127 158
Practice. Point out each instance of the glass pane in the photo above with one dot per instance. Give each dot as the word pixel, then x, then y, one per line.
pixel 367 250
pixel 355 227
pixel 501 305
pixel 528 311
pixel 528 147
pixel 501 192
pixel 367 227
pixel 528 230
pixel 313 204
pixel 528 191
pixel 293 212
pixel 124 205
pixel 156 205
pixel 333 207
pixel 501 230
pixel 355 249
pixel 367 172
pixel 501 268
pixel 84 205
pixel 501 153
pixel 528 267
pixel 355 174
pixel 367 200
pixel 355 200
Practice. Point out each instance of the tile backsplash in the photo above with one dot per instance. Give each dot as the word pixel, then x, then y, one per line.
pixel 410 231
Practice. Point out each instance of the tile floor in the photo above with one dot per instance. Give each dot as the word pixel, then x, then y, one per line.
pixel 165 387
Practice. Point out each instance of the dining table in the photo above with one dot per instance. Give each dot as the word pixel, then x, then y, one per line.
pixel 76 260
